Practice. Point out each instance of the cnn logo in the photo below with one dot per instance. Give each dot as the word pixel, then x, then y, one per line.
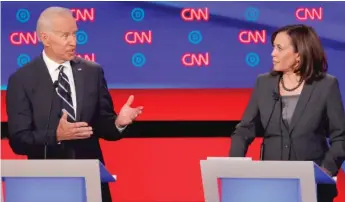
pixel 23 38
pixel 256 37
pixel 304 14
pixel 135 37
pixel 84 14
pixel 195 14
pixel 196 60
pixel 88 56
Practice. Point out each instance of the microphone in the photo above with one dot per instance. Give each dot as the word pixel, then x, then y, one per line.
pixel 55 85
pixel 276 98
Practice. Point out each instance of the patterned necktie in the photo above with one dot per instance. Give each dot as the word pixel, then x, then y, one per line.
pixel 64 92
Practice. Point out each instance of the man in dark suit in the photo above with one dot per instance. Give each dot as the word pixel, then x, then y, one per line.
pixel 297 105
pixel 58 105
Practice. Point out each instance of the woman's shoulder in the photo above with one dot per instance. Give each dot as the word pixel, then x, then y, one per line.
pixel 324 78
pixel 327 79
pixel 268 76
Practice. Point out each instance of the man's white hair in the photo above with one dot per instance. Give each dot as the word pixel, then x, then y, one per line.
pixel 44 22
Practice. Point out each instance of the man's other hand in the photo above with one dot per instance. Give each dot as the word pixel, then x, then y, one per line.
pixel 72 131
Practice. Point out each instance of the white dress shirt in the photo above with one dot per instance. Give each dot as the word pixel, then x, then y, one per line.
pixel 54 73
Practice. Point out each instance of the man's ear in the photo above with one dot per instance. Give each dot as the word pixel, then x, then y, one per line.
pixel 44 38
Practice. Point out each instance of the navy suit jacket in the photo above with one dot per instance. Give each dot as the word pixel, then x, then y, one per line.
pixel 31 98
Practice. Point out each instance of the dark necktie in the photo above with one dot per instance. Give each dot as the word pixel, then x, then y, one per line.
pixel 64 92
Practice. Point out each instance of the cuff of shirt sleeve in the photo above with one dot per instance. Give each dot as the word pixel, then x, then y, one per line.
pixel 121 128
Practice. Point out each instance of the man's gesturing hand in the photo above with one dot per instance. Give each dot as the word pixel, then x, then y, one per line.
pixel 72 131
pixel 127 113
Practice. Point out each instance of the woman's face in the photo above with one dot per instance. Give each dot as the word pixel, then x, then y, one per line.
pixel 283 56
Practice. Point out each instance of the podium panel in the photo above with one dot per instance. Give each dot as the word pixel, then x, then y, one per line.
pixel 52 189
pixel 242 180
pixel 54 180
pixel 255 190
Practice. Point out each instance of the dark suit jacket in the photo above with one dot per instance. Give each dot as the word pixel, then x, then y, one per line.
pixel 319 113
pixel 30 96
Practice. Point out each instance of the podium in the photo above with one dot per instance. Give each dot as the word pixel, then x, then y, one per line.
pixel 53 180
pixel 233 180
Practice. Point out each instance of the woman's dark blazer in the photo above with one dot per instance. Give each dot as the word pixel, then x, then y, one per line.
pixel 319 114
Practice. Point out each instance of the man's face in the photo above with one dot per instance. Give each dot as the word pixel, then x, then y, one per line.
pixel 61 39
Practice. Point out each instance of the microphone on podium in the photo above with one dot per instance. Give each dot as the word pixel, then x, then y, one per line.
pixel 276 98
pixel 55 85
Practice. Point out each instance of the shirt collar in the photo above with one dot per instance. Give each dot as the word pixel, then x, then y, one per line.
pixel 52 65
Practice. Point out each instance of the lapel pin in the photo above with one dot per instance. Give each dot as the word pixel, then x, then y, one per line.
pixel 79 69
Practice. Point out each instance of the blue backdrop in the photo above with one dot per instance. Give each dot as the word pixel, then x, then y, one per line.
pixel 158 65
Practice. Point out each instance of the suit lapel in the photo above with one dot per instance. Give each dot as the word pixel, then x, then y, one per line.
pixel 78 75
pixel 301 104
pixel 45 90
pixel 272 103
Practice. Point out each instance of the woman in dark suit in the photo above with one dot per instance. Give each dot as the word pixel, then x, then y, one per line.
pixel 298 106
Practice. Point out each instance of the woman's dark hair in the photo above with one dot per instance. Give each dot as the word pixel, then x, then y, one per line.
pixel 313 63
